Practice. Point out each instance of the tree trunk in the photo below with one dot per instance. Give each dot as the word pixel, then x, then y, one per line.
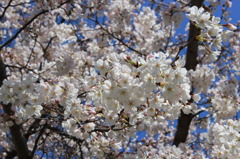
pixel 184 120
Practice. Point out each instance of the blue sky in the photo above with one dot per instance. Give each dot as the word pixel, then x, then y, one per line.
pixel 235 11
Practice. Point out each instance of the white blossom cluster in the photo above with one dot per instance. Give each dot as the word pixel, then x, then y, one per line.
pixel 120 15
pixel 150 35
pixel 29 98
pixel 202 78
pixel 212 32
pixel 130 83
pixel 225 99
pixel 226 139
pixel 20 92
pixel 172 15
pixel 91 75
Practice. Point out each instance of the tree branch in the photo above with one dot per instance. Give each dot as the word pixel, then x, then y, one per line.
pixel 22 28
pixel 37 140
pixel 3 74
pixel 5 9
pixel 25 25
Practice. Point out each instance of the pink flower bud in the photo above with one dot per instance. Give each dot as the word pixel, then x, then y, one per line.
pixel 128 57
pixel 229 3
pixel 230 26
pixel 150 56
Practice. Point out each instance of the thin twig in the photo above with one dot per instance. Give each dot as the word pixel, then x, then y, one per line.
pixel 140 53
pixel 5 9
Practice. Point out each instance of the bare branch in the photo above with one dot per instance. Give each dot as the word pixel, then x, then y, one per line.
pixel 5 9
pixel 22 28
pixel 38 138
pixel 26 25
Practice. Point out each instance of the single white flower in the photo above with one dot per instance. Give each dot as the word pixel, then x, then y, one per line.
pixel 89 127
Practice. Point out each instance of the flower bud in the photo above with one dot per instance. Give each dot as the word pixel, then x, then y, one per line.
pixel 230 26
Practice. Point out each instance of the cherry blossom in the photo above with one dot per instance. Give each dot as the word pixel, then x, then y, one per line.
pixel 118 79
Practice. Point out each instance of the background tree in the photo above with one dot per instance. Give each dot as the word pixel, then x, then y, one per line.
pixel 115 79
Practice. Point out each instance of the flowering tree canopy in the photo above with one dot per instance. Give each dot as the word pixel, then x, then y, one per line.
pixel 118 79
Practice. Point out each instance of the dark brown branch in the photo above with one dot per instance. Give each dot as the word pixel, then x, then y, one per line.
pixel 37 140
pixel 62 133
pixel 22 28
pixel 3 74
pixel 26 25
pixel 5 9
pixel 184 120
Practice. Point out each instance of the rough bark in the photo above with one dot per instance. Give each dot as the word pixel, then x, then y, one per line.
pixel 184 120
pixel 2 71
pixel 192 50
